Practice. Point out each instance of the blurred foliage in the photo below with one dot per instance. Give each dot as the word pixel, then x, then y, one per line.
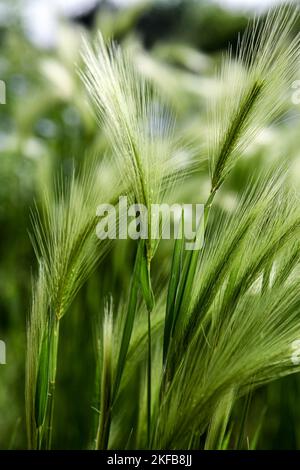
pixel 47 124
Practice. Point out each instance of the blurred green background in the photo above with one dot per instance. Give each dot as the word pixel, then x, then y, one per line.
pixel 47 123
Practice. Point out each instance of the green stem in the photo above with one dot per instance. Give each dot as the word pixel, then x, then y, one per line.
pixel 149 391
pixel 103 430
pixel 149 299
pixel 208 205
pixel 52 380
pixel 39 438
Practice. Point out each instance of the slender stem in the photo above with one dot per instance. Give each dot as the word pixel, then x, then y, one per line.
pixel 149 358
pixel 52 380
pixel 103 431
pixel 39 438
pixel 149 392
pixel 208 205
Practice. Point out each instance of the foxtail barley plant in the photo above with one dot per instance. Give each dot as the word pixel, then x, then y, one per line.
pixel 174 357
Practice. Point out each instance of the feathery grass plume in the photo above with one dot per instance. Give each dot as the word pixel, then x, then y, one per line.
pixel 235 355
pixel 261 210
pixel 267 213
pixel 237 337
pixel 255 88
pixel 217 428
pixel 254 95
pixel 139 126
pixel 223 241
pixel 68 250
pixel 141 132
pixel 65 238
pixel 255 84
pixel 287 266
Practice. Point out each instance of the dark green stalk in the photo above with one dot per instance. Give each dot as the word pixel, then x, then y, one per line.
pixel 176 268
pixel 39 438
pixel 149 373
pixel 149 300
pixel 52 380
pixel 42 388
pixel 103 430
pixel 245 414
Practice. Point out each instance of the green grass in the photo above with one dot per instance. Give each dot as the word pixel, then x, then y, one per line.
pixel 174 353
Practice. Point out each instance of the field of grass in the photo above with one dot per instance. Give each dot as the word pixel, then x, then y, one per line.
pixel 143 344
